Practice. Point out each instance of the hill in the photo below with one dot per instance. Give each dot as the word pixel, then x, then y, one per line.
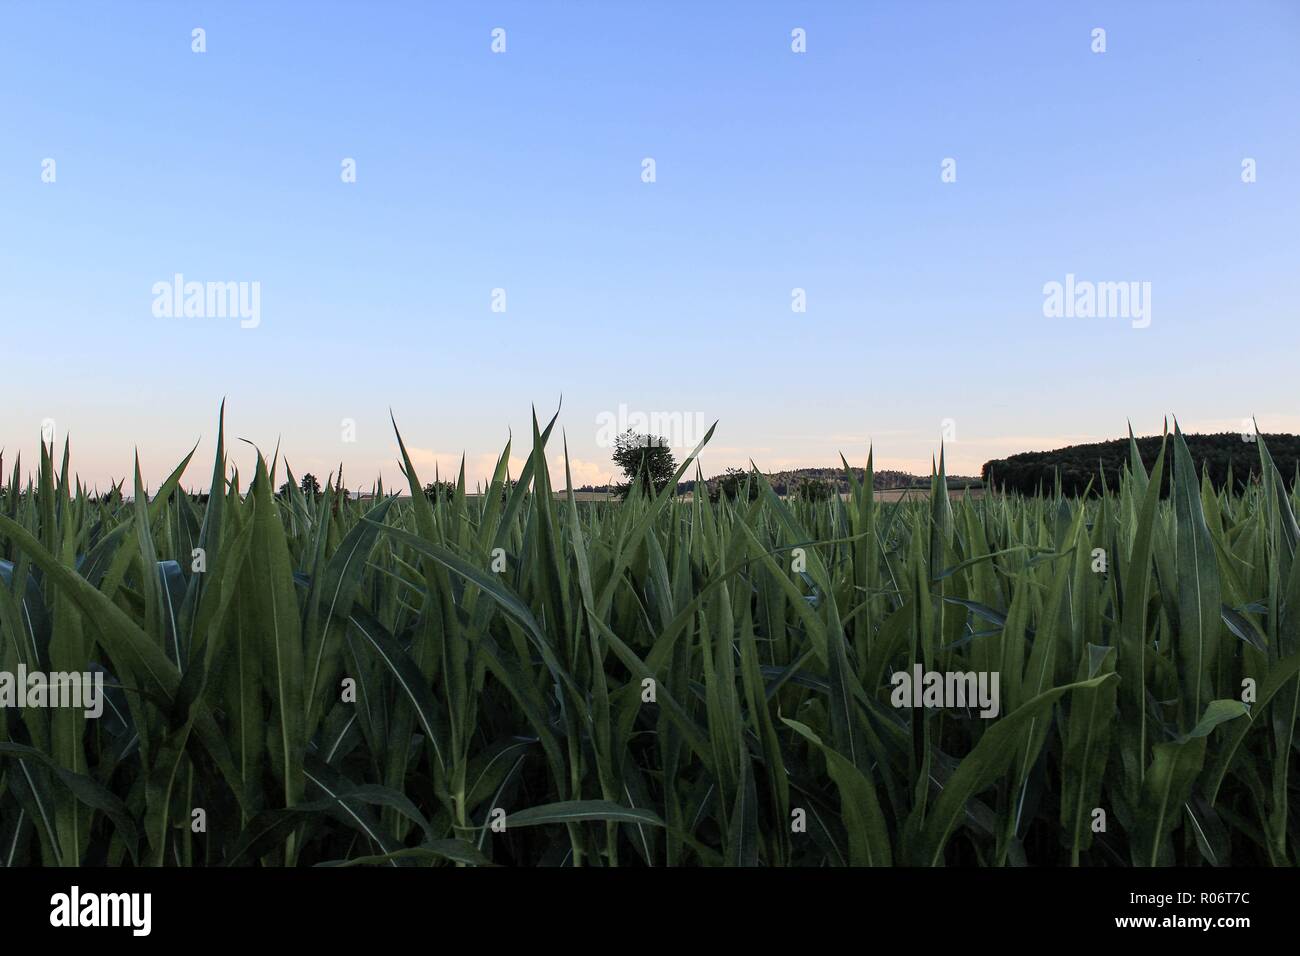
pixel 1218 455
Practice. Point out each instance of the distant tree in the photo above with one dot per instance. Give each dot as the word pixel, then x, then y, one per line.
pixel 440 489
pixel 644 457
pixel 732 483
pixel 814 489
pixel 308 486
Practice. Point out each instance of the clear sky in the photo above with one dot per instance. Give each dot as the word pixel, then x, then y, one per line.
pixel 523 171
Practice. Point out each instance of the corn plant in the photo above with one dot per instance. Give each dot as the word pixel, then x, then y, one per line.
pixel 517 678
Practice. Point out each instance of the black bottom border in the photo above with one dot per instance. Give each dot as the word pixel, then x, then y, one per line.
pixel 337 905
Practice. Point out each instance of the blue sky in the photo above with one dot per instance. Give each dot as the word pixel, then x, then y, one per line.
pixel 523 171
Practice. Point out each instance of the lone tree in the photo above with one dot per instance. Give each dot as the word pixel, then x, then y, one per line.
pixel 309 485
pixel 440 489
pixel 644 457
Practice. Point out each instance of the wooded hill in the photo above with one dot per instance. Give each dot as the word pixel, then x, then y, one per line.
pixel 1218 455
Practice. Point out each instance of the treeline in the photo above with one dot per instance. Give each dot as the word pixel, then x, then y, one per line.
pixel 1220 455
pixel 809 480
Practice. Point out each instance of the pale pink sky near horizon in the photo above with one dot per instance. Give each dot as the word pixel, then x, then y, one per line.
pixel 100 454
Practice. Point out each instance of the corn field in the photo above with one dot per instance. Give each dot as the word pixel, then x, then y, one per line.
pixel 515 678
